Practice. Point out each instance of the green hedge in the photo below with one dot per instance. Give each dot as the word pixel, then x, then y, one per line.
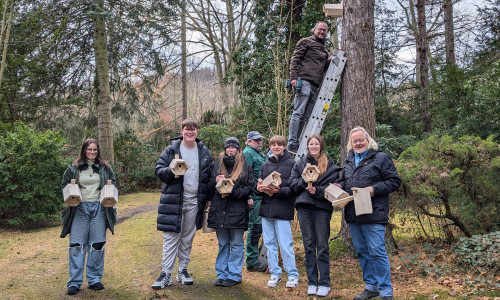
pixel 31 168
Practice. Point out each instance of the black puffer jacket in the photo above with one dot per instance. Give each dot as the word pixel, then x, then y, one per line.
pixel 171 201
pixel 231 212
pixel 377 170
pixel 298 184
pixel 279 205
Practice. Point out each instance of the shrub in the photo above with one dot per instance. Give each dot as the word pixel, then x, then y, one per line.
pixel 31 168
pixel 213 137
pixel 454 180
pixel 135 162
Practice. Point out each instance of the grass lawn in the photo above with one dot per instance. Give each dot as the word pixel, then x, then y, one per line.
pixel 34 265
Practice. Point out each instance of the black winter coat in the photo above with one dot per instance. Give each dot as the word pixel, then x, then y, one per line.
pixel 298 184
pixel 171 200
pixel 279 205
pixel 231 212
pixel 377 170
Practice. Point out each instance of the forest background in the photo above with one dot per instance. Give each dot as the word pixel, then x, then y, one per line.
pixel 112 70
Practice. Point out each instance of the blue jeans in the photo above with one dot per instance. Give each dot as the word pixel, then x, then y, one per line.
pixel 229 261
pixel 279 232
pixel 369 244
pixel 303 105
pixel 315 228
pixel 88 235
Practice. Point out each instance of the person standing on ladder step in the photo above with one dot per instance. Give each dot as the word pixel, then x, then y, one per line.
pixel 255 159
pixel 308 64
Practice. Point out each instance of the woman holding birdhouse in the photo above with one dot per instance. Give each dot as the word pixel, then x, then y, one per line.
pixel 277 211
pixel 310 176
pixel 366 167
pixel 232 182
pixel 87 222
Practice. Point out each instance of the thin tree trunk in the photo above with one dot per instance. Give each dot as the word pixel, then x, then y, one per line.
pixel 104 121
pixel 449 35
pixel 4 41
pixel 184 62
pixel 424 66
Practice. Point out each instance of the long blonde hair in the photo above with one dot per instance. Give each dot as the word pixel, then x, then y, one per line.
pixel 239 162
pixel 322 159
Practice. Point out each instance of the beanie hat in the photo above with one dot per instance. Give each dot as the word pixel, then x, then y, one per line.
pixel 232 141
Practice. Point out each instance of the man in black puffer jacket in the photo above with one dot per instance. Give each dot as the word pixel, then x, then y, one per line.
pixel 366 167
pixel 182 201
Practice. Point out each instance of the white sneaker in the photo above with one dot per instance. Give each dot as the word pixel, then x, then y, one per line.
pixel 323 291
pixel 162 281
pixel 273 281
pixel 292 282
pixel 183 277
pixel 312 290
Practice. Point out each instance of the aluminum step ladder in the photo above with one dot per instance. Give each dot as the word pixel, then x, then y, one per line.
pixel 325 96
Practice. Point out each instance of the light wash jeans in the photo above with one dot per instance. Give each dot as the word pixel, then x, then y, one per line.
pixel 230 258
pixel 87 230
pixel 369 244
pixel 303 105
pixel 315 228
pixel 180 244
pixel 279 232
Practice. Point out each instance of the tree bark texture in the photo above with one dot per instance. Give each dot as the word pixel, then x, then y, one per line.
pixel 104 121
pixel 358 78
pixel 424 66
pixel 184 61
pixel 449 36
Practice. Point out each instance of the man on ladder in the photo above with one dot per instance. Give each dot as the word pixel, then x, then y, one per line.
pixel 308 64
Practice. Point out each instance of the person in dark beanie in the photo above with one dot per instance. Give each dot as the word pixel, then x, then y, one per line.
pixel 228 212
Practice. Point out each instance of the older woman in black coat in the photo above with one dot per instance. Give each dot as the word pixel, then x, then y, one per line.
pixel 366 167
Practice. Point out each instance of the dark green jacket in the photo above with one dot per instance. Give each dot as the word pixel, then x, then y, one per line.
pixel 255 160
pixel 68 213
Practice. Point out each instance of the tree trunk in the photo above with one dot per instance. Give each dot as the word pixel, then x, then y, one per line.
pixel 184 62
pixel 424 66
pixel 358 78
pixel 104 121
pixel 449 35
pixel 4 40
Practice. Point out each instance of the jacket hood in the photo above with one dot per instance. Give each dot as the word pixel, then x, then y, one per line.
pixel 286 155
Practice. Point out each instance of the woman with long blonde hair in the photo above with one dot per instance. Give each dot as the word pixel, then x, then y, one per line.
pixel 314 213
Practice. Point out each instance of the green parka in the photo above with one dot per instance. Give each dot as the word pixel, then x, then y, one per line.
pixel 68 213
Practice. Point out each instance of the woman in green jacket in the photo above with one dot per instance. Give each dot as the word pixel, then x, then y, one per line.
pixel 87 222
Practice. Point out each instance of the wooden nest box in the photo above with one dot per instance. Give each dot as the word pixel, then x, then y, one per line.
pixel 224 186
pixel 334 10
pixel 109 195
pixel 272 180
pixel 310 174
pixel 71 194
pixel 178 166
pixel 339 198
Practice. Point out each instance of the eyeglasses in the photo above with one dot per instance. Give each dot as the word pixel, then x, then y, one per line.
pixel 92 150
pixel 321 29
pixel 358 141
